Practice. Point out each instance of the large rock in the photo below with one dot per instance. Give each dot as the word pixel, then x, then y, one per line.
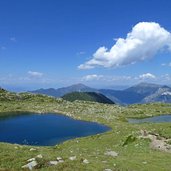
pixel 72 158
pixel 53 162
pixel 32 159
pixel 33 149
pixel 39 156
pixel 30 165
pixel 85 161
pixel 111 153
pixel 59 159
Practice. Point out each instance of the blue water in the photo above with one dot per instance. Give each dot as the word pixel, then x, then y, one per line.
pixel 46 129
pixel 154 119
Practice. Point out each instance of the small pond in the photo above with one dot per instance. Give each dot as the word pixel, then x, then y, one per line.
pixel 45 129
pixel 154 119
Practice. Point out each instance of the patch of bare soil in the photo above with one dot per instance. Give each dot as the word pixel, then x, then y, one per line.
pixel 157 142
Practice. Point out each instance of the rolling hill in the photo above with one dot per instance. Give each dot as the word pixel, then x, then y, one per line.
pixel 7 96
pixel 87 96
pixel 62 91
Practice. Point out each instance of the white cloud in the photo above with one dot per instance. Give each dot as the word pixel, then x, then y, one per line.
pixel 92 77
pixel 144 41
pixel 147 76
pixel 35 74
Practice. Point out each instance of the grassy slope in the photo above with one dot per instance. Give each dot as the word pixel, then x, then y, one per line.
pixel 87 96
pixel 131 157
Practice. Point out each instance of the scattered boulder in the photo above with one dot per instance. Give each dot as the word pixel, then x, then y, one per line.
pixel 72 158
pixel 107 170
pixel 33 149
pixel 85 161
pixel 30 165
pixel 53 162
pixel 59 159
pixel 104 161
pixel 39 156
pixel 111 153
pixel 32 159
pixel 143 132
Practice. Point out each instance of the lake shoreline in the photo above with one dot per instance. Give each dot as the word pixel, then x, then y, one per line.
pixel 53 124
pixel 93 148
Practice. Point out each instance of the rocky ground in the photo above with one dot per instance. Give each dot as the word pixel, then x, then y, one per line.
pixel 124 147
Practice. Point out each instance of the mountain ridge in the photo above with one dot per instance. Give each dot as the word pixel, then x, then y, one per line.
pixel 139 93
pixel 87 96
pixel 64 90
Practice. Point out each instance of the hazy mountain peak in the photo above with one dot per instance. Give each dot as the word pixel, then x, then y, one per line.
pixel 79 85
pixel 163 94
pixel 87 96
pixel 64 90
pixel 139 93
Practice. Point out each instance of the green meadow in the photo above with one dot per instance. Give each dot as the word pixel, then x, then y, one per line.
pixel 133 153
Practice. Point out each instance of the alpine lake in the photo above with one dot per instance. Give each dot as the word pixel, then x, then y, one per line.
pixel 45 129
pixel 154 119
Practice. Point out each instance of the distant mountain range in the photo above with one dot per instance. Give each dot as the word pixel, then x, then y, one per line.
pixel 87 96
pixel 141 93
pixel 62 91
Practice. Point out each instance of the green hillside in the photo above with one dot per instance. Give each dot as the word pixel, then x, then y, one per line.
pixel 87 96
pixel 6 96
pixel 125 147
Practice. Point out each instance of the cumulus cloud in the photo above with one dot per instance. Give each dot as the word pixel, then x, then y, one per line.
pixel 35 74
pixel 92 77
pixel 147 76
pixel 144 41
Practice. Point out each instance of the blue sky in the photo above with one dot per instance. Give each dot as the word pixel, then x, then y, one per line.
pixel 44 42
